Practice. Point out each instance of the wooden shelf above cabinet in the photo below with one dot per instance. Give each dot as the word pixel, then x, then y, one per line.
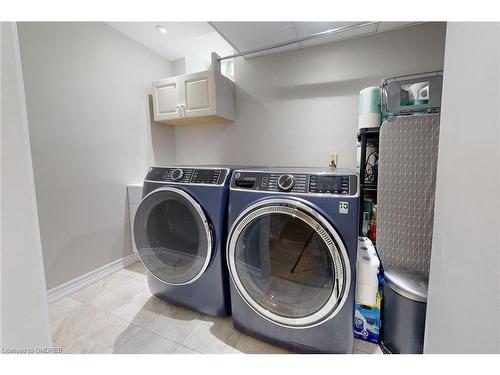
pixel 197 121
pixel 205 97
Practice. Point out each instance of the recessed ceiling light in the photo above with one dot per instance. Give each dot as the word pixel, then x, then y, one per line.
pixel 161 29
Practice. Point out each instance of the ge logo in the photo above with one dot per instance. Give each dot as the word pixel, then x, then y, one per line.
pixel 343 207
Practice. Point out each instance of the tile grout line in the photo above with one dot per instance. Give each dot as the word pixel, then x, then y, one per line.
pixel 164 338
pixel 157 334
pixel 197 351
pixel 111 315
pixel 130 338
pixel 240 337
pixel 190 348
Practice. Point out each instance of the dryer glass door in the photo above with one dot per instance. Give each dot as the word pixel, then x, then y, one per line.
pixel 288 263
pixel 172 236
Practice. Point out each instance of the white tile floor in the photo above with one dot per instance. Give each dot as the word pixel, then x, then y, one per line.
pixel 118 314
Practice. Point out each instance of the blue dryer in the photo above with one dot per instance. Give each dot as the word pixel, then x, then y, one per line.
pixel 291 254
pixel 180 230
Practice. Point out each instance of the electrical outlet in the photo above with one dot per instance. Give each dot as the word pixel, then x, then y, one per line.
pixel 333 159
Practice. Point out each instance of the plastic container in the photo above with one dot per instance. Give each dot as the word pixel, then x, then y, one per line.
pixel 416 93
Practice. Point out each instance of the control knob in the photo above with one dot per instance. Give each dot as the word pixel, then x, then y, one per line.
pixel 177 174
pixel 286 182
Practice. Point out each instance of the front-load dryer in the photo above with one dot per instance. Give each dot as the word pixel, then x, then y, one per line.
pixel 180 231
pixel 291 254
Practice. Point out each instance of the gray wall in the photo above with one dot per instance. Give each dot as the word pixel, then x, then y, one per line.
pixel 296 107
pixel 24 318
pixel 87 91
pixel 464 290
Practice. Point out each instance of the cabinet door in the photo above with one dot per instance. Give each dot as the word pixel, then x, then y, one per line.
pixel 166 99
pixel 197 92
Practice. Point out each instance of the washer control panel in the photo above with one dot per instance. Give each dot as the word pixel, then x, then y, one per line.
pixel 321 183
pixel 206 176
pixel 329 184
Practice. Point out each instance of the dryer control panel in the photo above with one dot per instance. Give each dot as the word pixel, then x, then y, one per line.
pixel 320 183
pixel 206 176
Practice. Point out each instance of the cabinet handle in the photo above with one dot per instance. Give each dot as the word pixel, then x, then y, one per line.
pixel 183 110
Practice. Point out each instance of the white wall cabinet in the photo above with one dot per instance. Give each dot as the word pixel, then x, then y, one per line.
pixel 198 98
pixel 166 99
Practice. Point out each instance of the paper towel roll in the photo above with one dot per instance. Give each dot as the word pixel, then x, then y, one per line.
pixel 367 265
pixel 370 115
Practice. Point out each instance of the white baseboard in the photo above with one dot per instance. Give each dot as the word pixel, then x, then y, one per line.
pixel 72 286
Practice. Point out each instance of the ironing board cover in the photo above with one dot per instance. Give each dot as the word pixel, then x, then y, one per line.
pixel 408 153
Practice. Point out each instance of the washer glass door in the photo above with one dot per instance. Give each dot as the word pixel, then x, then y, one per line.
pixel 172 236
pixel 288 263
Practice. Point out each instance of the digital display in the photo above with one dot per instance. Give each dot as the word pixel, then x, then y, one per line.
pixel 206 176
pixel 329 184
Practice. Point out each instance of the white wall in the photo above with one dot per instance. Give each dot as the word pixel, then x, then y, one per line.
pixel 24 317
pixel 294 108
pixel 87 89
pixel 199 49
pixel 179 67
pixel 464 290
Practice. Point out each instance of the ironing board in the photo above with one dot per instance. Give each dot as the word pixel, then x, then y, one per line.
pixel 408 152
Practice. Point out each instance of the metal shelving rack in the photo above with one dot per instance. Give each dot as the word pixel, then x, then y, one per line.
pixel 366 135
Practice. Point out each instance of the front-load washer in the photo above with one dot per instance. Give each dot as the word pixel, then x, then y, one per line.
pixel 180 231
pixel 291 255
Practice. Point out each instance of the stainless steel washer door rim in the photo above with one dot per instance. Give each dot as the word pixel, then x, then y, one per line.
pixel 329 236
pixel 205 225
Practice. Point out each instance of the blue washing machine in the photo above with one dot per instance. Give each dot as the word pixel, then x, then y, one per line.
pixel 291 254
pixel 180 230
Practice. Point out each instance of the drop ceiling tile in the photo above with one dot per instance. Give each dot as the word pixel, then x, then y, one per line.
pixel 385 26
pixel 309 28
pixel 246 36
pixel 367 29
